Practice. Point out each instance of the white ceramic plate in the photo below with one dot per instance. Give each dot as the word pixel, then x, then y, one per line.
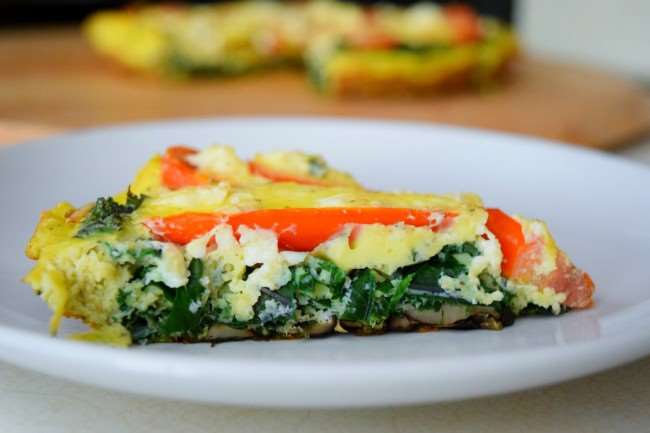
pixel 597 206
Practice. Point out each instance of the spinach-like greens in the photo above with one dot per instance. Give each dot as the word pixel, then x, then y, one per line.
pixel 184 317
pixel 372 299
pixel 107 215
pixel 317 166
pixel 363 300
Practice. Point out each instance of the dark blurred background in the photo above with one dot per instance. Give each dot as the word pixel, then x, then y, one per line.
pixel 24 12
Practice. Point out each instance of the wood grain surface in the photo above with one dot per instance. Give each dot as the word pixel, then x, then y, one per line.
pixel 15 132
pixel 51 77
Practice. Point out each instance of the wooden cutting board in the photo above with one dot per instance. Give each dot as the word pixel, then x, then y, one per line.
pixel 51 77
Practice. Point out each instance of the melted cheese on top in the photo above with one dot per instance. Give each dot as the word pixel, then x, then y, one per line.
pixel 225 198
pixel 304 166
pixel 221 164
pixel 385 248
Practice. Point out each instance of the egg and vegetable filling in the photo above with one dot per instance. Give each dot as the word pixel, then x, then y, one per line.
pixel 221 261
pixel 347 48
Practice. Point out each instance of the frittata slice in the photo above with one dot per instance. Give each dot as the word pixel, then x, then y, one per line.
pixel 288 260
pixel 348 49
pixel 181 40
pixel 421 49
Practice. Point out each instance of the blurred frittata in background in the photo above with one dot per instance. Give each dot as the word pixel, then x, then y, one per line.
pixel 347 49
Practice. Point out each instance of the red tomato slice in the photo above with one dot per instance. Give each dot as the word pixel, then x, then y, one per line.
pixel 297 229
pixel 176 172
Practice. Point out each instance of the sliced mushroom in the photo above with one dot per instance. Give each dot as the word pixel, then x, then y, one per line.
pixel 445 316
pixel 492 323
pixel 349 326
pixel 221 332
pixel 458 316
pixel 400 324
pixel 359 328
pixel 319 329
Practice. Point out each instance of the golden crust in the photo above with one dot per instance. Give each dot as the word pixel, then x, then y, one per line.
pixel 53 225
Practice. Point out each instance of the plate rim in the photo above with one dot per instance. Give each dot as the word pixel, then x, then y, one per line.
pixel 13 340
pixel 137 366
pixel 531 140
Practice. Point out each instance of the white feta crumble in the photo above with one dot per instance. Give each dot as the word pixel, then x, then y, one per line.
pixel 257 249
pixel 220 160
pixel 293 257
pixel 194 306
pixel 197 248
pixel 170 269
pixel 259 245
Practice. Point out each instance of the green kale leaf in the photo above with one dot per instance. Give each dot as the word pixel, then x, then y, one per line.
pixel 107 215
pixel 361 295
pixel 184 318
pixel 372 302
pixel 326 273
pixel 276 307
pixel 424 291
pixel 143 325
